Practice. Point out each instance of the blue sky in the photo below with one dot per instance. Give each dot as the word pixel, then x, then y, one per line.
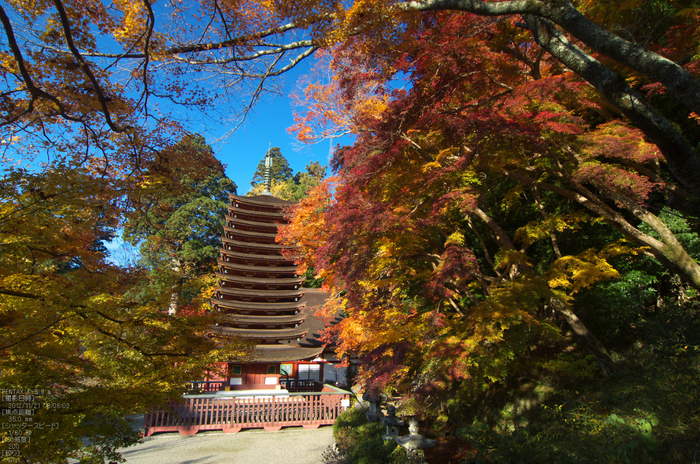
pixel 266 126
pixel 241 152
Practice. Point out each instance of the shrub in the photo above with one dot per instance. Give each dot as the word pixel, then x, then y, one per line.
pixel 360 442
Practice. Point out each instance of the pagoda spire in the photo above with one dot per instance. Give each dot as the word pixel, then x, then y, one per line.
pixel 268 173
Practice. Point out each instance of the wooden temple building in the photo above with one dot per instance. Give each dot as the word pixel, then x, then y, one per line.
pixel 262 300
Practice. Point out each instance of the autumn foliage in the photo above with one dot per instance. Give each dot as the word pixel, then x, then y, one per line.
pixel 510 156
pixel 84 331
pixel 451 235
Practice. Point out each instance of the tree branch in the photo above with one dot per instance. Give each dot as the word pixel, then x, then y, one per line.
pixel 34 91
pixel 86 68
pixel 275 50
pixel 131 345
pixel 5 291
pixel 679 154
pixel 480 7
pixel 562 12
pixel 667 250
pixel 34 334
pixel 147 57
pixel 194 48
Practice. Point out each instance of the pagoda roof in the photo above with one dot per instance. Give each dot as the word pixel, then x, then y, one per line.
pixel 256 245
pixel 260 280
pixel 315 299
pixel 249 319
pixel 259 306
pixel 279 334
pixel 283 353
pixel 246 222
pixel 249 233
pixel 261 293
pixel 262 200
pixel 275 216
pixel 237 254
pixel 245 267
pixel 283 331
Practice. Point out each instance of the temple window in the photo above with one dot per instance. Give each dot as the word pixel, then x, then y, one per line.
pixel 287 369
pixel 309 372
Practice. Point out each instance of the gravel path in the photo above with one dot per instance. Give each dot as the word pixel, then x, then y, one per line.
pixel 293 445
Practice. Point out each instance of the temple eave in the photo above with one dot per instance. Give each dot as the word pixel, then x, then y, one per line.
pixel 265 201
pixel 249 233
pixel 252 320
pixel 254 306
pixel 256 256
pixel 254 245
pixel 247 222
pixel 261 293
pixel 245 267
pixel 285 353
pixel 276 334
pixel 270 281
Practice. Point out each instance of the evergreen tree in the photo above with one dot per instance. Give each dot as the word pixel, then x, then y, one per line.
pixel 280 168
pixel 303 181
pixel 296 187
pixel 177 223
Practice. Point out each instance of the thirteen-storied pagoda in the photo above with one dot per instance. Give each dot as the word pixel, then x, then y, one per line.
pixel 262 299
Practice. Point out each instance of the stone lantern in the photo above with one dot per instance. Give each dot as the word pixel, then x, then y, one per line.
pixel 392 423
pixel 374 413
pixel 414 441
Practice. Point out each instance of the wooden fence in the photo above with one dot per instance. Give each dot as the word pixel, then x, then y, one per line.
pixel 207 386
pixel 231 414
pixel 301 385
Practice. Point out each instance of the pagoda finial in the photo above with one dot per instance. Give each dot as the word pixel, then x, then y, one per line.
pixel 268 173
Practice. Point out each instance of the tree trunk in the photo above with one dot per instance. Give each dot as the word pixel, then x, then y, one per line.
pixel 176 289
pixel 601 355
pixel 668 250
pixel 678 152
pixel 176 292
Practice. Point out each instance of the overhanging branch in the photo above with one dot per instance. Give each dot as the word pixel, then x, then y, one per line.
pixel 679 154
pixel 65 24
pixel 563 13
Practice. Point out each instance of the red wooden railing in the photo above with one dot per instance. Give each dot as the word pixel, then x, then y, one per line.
pixel 296 386
pixel 231 414
pixel 206 386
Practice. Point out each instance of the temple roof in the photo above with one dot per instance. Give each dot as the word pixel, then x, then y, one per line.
pixel 255 256
pixel 245 267
pixel 314 299
pixel 267 334
pixel 249 233
pixel 262 200
pixel 298 293
pixel 282 353
pixel 260 280
pixel 273 216
pixel 247 222
pixel 257 320
pixel 254 306
pixel 265 246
